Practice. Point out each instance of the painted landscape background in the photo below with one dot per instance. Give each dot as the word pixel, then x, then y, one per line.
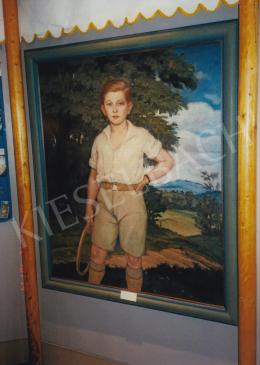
pixel 177 96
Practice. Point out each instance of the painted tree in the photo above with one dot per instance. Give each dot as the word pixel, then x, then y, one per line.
pixel 155 204
pixel 209 216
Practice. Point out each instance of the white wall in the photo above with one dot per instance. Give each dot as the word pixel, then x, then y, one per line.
pixel 135 335
pixel 12 309
pixel 12 314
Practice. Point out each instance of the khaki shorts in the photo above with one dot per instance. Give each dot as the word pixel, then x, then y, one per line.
pixel 120 214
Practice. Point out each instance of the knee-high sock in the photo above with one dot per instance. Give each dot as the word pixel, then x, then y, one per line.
pixel 134 279
pixel 96 273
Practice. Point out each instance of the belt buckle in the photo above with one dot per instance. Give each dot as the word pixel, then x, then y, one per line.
pixel 114 187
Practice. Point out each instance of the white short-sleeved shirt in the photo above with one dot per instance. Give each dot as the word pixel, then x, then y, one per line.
pixel 125 163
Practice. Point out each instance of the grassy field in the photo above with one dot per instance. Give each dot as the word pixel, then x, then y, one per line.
pixel 179 221
pixel 210 247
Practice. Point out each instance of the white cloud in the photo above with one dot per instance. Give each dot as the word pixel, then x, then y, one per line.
pixel 189 166
pixel 196 154
pixel 193 143
pixel 215 99
pixel 199 118
pixel 201 76
pixel 200 132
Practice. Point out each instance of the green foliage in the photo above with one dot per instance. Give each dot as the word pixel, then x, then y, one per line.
pixel 209 210
pixel 210 180
pixel 155 205
pixel 180 199
pixel 209 216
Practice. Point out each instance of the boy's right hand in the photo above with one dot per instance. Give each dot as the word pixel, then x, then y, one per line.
pixel 90 212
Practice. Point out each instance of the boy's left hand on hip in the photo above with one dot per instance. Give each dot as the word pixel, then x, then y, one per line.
pixel 142 184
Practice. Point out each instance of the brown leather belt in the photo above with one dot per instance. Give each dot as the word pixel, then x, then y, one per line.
pixel 118 186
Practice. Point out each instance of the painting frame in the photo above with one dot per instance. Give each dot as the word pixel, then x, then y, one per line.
pixel 224 32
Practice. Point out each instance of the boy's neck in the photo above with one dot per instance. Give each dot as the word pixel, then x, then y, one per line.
pixel 119 128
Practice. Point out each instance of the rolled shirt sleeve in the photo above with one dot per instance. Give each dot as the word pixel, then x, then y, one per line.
pixel 152 146
pixel 93 157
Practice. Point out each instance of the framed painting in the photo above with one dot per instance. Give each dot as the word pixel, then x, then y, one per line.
pixel 184 95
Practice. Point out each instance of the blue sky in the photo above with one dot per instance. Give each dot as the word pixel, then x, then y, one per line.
pixel 207 62
pixel 200 125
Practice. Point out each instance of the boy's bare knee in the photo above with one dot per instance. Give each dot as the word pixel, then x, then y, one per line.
pixel 98 254
pixel 133 261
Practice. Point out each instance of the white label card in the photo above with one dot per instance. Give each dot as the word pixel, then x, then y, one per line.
pixel 128 295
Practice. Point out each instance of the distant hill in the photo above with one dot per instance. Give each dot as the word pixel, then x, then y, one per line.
pixel 183 185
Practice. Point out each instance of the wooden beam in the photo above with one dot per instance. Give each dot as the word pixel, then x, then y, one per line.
pixel 247 109
pixel 23 177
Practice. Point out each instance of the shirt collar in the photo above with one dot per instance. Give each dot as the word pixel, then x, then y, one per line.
pixel 131 130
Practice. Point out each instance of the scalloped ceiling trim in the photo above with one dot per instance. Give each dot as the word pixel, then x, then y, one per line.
pixel 126 21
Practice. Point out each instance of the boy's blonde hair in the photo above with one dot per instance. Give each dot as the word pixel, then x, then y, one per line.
pixel 116 85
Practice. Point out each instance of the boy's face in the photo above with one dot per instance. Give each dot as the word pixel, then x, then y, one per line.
pixel 116 108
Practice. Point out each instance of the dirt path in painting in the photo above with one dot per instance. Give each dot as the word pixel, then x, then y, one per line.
pixel 174 257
